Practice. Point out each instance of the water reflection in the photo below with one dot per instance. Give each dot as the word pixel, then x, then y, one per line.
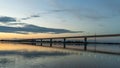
pixel 6 62
pixel 101 48
pixel 27 56
pixel 33 54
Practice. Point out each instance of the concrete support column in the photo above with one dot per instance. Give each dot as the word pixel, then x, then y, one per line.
pixel 51 42
pixel 41 41
pixel 64 43
pixel 85 43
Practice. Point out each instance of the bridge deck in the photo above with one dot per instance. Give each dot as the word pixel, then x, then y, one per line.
pixel 89 36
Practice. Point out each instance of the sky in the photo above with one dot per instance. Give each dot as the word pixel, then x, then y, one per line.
pixel 53 18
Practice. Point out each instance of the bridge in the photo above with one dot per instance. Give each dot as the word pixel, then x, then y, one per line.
pixel 50 40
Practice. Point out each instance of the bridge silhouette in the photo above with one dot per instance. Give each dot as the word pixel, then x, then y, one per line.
pixel 64 40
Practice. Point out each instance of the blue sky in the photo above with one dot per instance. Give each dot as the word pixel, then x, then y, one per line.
pixel 60 16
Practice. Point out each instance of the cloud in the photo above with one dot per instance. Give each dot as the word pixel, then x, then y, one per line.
pixel 16 24
pixel 107 9
pixel 30 17
pixel 35 16
pixel 29 28
pixel 84 13
pixel 112 5
pixel 5 19
pixel 24 28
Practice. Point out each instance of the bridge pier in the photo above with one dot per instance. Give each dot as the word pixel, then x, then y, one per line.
pixel 33 41
pixel 41 41
pixel 85 43
pixel 64 43
pixel 50 42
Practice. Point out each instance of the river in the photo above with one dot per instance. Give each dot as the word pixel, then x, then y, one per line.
pixel 30 56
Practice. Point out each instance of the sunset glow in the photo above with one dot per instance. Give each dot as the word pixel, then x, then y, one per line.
pixel 54 18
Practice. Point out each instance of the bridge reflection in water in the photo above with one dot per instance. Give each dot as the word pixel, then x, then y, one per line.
pixel 64 41
pixel 14 55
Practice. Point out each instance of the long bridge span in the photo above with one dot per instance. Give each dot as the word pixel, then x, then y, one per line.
pixel 41 40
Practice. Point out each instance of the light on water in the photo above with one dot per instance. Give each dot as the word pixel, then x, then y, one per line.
pixel 28 56
pixel 59 34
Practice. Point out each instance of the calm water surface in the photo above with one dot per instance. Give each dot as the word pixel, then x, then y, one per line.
pixel 28 56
